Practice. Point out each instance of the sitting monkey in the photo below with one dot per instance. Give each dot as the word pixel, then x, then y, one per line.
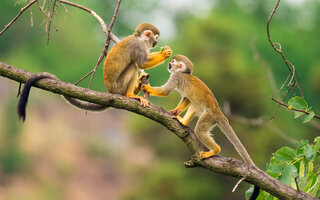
pixel 120 69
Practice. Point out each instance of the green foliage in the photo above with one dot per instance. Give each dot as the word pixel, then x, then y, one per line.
pixel 295 168
pixel 299 103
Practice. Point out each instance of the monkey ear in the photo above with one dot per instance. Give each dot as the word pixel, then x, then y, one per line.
pixel 147 33
pixel 181 67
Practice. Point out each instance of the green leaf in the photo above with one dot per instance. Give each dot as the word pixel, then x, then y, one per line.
pixel 287 174
pixel 298 103
pixel 301 170
pixel 310 167
pixel 302 143
pixel 298 114
pixel 316 148
pixel 285 154
pixel 249 192
pixel 308 152
pixel 307 117
pixel 273 173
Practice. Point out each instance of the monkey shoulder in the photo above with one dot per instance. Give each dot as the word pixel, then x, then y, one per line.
pixel 138 49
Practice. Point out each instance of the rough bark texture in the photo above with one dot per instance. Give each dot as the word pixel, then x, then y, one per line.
pixel 227 166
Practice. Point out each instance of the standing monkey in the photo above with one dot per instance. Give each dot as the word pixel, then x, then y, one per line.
pixel 202 103
pixel 120 69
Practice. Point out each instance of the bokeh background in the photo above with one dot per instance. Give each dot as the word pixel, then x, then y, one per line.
pixel 64 153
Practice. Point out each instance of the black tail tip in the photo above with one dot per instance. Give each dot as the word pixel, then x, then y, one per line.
pixel 21 113
pixel 255 193
pixel 22 117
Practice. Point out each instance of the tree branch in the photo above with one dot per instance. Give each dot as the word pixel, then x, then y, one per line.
pixel 294 109
pixel 17 16
pixel 227 166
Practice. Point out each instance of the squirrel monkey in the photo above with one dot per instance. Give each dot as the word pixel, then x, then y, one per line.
pixel 202 103
pixel 120 69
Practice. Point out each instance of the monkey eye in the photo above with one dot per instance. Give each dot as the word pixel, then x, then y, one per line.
pixel 156 37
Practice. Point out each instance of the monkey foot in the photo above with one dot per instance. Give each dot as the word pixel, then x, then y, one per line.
pixel 144 102
pixel 207 154
pixel 180 120
pixel 175 112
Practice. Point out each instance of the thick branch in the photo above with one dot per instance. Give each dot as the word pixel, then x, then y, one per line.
pixel 227 166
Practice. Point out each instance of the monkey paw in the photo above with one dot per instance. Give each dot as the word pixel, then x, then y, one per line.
pixel 175 112
pixel 145 87
pixel 207 154
pixel 179 120
pixel 167 52
pixel 144 102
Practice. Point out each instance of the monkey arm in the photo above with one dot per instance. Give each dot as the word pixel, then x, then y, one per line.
pixel 181 106
pixel 164 90
pixel 156 91
pixel 156 58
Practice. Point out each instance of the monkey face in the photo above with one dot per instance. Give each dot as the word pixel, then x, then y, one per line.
pixel 176 66
pixel 150 38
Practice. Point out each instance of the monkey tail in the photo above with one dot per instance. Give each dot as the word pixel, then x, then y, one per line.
pixel 24 96
pixel 255 193
pixel 231 135
pixel 233 138
pixel 83 105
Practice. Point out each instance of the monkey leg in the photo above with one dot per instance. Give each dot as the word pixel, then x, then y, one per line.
pixel 131 89
pixel 202 130
pixel 187 117
pixel 139 82
pixel 181 106
pixel 156 58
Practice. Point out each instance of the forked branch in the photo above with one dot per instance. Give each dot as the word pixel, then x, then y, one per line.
pixel 227 166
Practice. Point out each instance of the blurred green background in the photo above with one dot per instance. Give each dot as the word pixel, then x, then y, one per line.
pixel 64 153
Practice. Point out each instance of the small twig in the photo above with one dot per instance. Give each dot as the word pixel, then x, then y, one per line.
pixel 103 25
pixel 297 185
pixel 19 89
pixel 238 183
pixel 17 3
pixel 294 109
pixel 145 81
pixel 289 65
pixel 17 16
pixel 257 122
pixel 48 17
pixel 49 26
pixel 31 17
pixel 107 43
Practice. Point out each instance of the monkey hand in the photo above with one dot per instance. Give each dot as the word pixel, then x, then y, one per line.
pixel 146 88
pixel 166 52
pixel 175 112
pixel 144 102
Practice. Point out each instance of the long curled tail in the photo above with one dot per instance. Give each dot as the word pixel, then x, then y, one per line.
pixel 24 96
pixel 23 101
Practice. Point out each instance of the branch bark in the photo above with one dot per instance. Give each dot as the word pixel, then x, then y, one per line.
pixel 227 166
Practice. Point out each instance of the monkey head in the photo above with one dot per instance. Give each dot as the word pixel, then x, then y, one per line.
pixel 148 33
pixel 180 64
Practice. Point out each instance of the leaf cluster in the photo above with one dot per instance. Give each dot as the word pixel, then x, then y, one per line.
pixel 298 168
